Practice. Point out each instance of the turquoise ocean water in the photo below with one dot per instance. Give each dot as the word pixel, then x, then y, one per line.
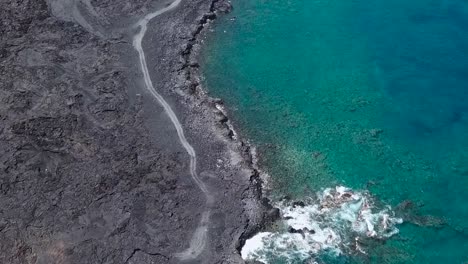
pixel 372 95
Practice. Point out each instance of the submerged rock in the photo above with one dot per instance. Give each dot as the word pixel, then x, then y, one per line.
pixel 375 133
pixel 298 203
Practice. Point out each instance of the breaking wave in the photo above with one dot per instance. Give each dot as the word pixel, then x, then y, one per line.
pixel 334 223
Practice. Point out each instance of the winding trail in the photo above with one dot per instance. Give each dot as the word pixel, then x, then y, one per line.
pixel 198 241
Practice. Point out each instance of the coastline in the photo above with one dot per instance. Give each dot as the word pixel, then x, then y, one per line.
pixel 345 131
pixel 93 170
pixel 93 165
pixel 210 115
pixel 261 212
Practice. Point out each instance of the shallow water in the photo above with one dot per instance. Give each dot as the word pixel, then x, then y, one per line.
pixel 371 95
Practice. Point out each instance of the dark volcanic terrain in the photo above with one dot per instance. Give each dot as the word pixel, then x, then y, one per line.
pixel 91 169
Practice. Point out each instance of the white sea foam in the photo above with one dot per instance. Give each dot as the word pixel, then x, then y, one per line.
pixel 334 222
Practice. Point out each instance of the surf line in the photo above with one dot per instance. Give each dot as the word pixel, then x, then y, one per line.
pixel 198 241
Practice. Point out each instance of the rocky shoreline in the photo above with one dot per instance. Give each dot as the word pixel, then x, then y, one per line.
pixel 259 211
pixel 91 170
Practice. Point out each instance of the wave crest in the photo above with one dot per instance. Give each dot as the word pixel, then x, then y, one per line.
pixel 334 222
